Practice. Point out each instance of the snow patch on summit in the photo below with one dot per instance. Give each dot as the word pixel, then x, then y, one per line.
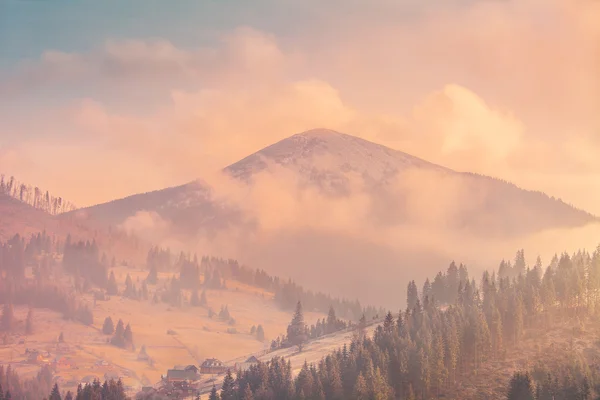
pixel 323 151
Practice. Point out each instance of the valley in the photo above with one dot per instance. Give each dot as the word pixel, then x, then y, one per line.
pixel 85 354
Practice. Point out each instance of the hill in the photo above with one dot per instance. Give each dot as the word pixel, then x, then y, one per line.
pixel 329 202
pixel 19 217
pixel 339 165
pixel 34 196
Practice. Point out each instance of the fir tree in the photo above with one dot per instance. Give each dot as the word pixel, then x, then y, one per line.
pixel 108 327
pixel 247 395
pixel 228 388
pixel 520 387
pixel 389 324
pixel 7 320
pixel 296 332
pixel 213 394
pixel 55 394
pixel 260 334
pixel 120 329
pixel 128 336
pixel 412 295
pixel 152 277
pixel 361 391
pixel 112 288
pixel 331 320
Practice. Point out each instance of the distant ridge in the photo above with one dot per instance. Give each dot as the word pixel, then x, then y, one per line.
pixel 325 159
pixel 34 196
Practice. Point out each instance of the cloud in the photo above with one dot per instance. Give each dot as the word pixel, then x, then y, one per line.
pixel 510 89
pixel 492 87
pixel 363 244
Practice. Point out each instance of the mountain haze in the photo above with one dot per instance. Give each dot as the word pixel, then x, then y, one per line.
pixel 340 165
pixel 321 202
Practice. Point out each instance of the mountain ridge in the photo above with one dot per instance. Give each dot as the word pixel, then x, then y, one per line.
pixel 329 160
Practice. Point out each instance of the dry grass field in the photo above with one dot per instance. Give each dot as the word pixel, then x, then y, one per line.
pixel 86 353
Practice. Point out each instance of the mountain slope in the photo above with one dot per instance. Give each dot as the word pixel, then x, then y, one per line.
pixel 190 207
pixel 404 190
pixel 18 217
pixel 323 207
pixel 323 153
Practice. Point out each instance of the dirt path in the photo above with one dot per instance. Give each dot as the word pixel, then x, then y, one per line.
pixel 183 345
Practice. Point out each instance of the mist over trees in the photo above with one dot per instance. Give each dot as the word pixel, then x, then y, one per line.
pixel 15 387
pixel 34 196
pixel 82 259
pixel 216 272
pixel 15 255
pixel 424 351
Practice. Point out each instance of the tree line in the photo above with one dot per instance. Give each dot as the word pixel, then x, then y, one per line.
pixel 14 387
pixel 426 349
pixel 217 271
pixel 552 387
pixel 34 196
pixel 298 332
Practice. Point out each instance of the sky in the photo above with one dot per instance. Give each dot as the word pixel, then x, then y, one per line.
pixel 100 100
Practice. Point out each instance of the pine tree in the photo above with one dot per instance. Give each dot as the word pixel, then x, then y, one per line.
pixel 361 328
pixel 412 295
pixel 331 320
pixel 228 387
pixel 388 323
pixel 496 332
pixel 7 320
pixel 112 288
pixel 260 333
pixel 304 382
pixel 55 394
pixel 108 327
pixel 120 329
pixel 520 387
pixel 152 277
pixel 361 391
pixel 128 336
pixel 296 331
pixel 518 320
pixel 247 395
pixel 438 368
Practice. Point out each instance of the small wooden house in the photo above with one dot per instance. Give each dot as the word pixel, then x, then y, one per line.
pixel 213 366
pixel 247 364
pixel 181 374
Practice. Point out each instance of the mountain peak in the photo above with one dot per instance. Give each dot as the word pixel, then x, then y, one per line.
pixel 319 133
pixel 325 152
